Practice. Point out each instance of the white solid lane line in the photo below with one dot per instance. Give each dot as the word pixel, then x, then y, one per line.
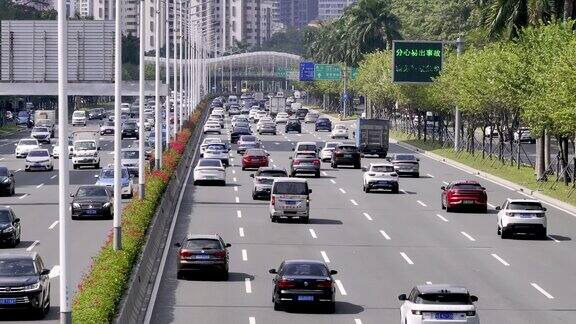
pixel 54 272
pixel 239 213
pixel 241 231
pixel 313 233
pixel 428 174
pixel 500 259
pixel 248 285
pixel 54 176
pixel 468 236
pixel 406 258
pixel 244 255
pixel 23 196
pixel 53 225
pixel 342 190
pixel 442 217
pixel 251 320
pixel 32 246
pixel 340 287
pixel 541 290
pixel 386 236
pixel 39 186
pixel 237 199
pixel 421 203
pixel 354 202
pixel 332 180
pixel 367 216
pixel 325 256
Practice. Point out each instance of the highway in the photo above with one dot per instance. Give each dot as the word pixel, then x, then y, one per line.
pixel 381 244
pixel 36 204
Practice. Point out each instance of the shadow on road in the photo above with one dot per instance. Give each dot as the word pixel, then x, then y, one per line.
pixel 341 308
pixel 26 315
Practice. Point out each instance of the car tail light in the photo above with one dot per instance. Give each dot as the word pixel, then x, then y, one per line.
pixel 286 284
pixel 273 201
pixel 185 254
pixel 325 284
pixel 471 313
pixel 416 312
pixel 295 162
pixel 316 162
pixel 220 254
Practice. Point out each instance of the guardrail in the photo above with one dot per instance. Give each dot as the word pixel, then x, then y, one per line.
pixel 134 303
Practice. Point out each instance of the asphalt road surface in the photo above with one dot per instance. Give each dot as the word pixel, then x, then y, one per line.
pixel 382 245
pixel 36 204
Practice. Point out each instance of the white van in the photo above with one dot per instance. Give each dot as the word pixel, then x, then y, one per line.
pixel 305 147
pixel 79 118
pixel 290 198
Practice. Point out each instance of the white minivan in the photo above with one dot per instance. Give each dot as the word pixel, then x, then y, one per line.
pixel 79 118
pixel 290 198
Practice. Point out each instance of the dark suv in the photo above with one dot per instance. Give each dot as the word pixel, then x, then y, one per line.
pixel 10 228
pixel 346 154
pixel 323 123
pixel 24 283
pixel 202 253
pixel 293 125
pixel 129 129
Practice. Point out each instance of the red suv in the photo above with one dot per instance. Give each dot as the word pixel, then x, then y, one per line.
pixel 254 159
pixel 464 194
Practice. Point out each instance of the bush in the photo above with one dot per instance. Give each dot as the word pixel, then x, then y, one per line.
pixel 102 287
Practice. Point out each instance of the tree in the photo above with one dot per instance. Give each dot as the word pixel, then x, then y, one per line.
pixel 14 11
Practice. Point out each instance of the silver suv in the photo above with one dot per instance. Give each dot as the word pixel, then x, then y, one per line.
pixel 263 179
pixel 522 216
pixel 290 198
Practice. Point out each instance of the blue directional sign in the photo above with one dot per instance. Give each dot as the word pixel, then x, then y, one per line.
pixel 306 71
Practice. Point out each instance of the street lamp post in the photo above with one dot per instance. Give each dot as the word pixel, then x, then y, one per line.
pixel 167 66
pixel 157 120
pixel 459 45
pixel 176 39
pixel 141 130
pixel 117 129
pixel 180 72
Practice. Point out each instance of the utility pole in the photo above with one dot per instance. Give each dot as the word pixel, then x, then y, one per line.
pixel 117 128
pixel 157 120
pixel 167 65
pixel 345 94
pixel 459 45
pixel 176 39
pixel 141 130
pixel 63 184
pixel 180 72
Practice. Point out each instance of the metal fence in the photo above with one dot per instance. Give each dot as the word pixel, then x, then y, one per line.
pixel 136 297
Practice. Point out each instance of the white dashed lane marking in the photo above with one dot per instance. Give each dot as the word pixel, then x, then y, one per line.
pixel 421 203
pixel 239 213
pixel 241 231
pixel 23 196
pixel 442 217
pixel 495 256
pixel 244 255
pixel 332 180
pixel 541 290
pixel 386 236
pixel 32 246
pixel 468 236
pixel 406 258
pixel 39 186
pixel 312 233
pixel 325 256
pixel 353 202
pixel 248 285
pixel 53 225
pixel 342 190
pixel 368 217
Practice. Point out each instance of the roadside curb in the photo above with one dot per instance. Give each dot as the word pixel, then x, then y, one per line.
pixel 566 207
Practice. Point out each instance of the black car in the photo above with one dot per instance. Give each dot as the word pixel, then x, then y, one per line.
pixel 129 129
pixel 24 283
pixel 245 111
pixel 346 154
pixel 202 253
pixel 293 125
pixel 304 282
pixel 7 182
pixel 301 113
pixel 96 113
pixel 93 202
pixel 10 228
pixel 237 132
pixel 323 123
pixel 233 111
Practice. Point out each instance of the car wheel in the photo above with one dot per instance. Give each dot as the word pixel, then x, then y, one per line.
pixel 499 232
pixel 395 190
pixel 417 175
pixel 14 243
pixel 366 189
pixel 357 166
pixel 179 275
pixel 331 308
pixel 273 219
pixel 317 174
pixel 13 191
pixel 97 166
pixel 225 275
pixel 305 220
pixel 504 233
pixel 243 169
pixel 484 209
pixel 448 208
pixel 277 306
pixel 543 235
pixel 333 165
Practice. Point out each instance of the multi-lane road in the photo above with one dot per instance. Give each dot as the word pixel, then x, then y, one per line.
pixel 382 245
pixel 36 204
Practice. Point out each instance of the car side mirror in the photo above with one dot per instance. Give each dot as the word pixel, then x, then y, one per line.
pixel 289 158
pixel 333 272
pixel 228 245
pixel 443 188
pixel 252 175
pixel 16 220
pixel 543 208
pixel 482 188
pixel 177 245
pixel 498 208
pixel 474 298
pixel 417 160
pixel 309 191
pixel 72 195
pixel 292 148
pixel 364 169
pixel 272 271
pixel 402 297
pixel 45 272
pixel 95 176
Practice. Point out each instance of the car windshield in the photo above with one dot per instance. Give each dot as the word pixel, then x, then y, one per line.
pixel 382 168
pixel 78 114
pixel 305 269
pixel 525 205
pixel 273 173
pixel 3 172
pixel 110 123
pixel 404 157
pixel 40 129
pixel 305 155
pixel 209 163
pixel 39 153
pixel 306 147
pixel 203 244
pixel 5 216
pixel 109 173
pixel 291 188
pixel 452 299
pixel 23 114
pixel 84 146
pixel 331 145
pixel 130 126
pixel 91 192
pixel 467 186
pixel 217 147
pixel 130 154
pixel 347 148
pixel 17 267
pixel 28 142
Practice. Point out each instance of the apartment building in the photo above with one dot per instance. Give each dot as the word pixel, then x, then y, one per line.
pixel 332 9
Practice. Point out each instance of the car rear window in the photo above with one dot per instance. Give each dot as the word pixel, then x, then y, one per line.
pixel 28 142
pixel 130 154
pixel 306 147
pixel 525 205
pixel 382 168
pixel 347 147
pixel 38 153
pixel 210 163
pixel 203 244
pixel 273 173
pixel 248 138
pixel 305 269
pixel 291 188
pixel 306 155
pixel 404 157
pixel 439 298
pixel 255 152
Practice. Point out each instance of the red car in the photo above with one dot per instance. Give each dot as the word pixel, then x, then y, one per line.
pixel 464 194
pixel 254 159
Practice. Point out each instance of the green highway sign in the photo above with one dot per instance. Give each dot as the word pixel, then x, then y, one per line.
pixel 281 72
pixel 327 72
pixel 353 73
pixel 416 61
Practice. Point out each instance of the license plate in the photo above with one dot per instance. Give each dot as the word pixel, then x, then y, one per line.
pixel 7 301
pixel 305 298
pixel 443 316
pixel 468 202
pixel 348 155
pixel 290 202
pixel 91 212
pixel 210 177
pixel 202 257
pixel 525 215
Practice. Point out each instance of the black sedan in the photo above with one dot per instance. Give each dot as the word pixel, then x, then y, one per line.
pixel 237 132
pixel 324 124
pixel 129 130
pixel 10 228
pixel 293 125
pixel 304 282
pixel 93 202
pixel 199 253
pixel 7 182
pixel 24 283
pixel 346 154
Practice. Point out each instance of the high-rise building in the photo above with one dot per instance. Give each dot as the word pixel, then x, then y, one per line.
pixel 297 13
pixel 332 9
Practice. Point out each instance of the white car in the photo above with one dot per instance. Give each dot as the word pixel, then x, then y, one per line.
pixel 261 122
pixel 217 118
pixel 252 113
pixel 218 151
pixel 207 141
pixel 107 128
pixel 339 131
pixel 239 119
pixel 327 150
pixel 212 127
pixel 56 149
pixel 282 118
pixel 209 170
pixel 380 176
pixel 25 145
pixel 39 159
pixel 125 107
pixel 42 134
pixel 438 304
pixel 522 216
pixel 260 115
pixel 525 135
pixel 79 118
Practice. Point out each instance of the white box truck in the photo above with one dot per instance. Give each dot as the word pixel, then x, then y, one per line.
pixel 46 118
pixel 86 149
